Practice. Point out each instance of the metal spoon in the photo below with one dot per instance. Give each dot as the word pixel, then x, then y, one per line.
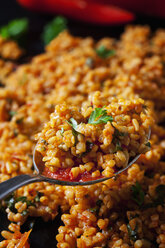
pixel 8 186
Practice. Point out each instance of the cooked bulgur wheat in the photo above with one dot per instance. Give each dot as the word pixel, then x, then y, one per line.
pixel 124 212
pixel 99 139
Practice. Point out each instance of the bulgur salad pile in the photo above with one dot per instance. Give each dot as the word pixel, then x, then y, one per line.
pixel 127 211
pixel 96 141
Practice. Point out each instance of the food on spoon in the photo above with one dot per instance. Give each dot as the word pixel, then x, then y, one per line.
pixel 95 141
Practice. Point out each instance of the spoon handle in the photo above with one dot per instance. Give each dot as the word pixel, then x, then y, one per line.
pixel 8 186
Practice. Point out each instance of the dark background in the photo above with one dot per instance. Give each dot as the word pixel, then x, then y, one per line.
pixel 10 9
pixel 43 234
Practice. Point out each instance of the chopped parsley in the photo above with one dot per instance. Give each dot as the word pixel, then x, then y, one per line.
pixel 53 28
pixel 148 144
pixel 10 202
pixel 97 207
pixel 62 131
pixel 118 146
pixel 117 133
pixel 104 53
pixel 99 116
pixel 24 212
pixel 89 62
pixel 12 113
pixel 137 194
pixel 73 123
pixel 38 196
pixel 133 234
pixel 24 199
pixel 116 139
pixel 15 29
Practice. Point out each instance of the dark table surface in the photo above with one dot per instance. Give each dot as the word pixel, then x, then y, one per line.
pixel 43 234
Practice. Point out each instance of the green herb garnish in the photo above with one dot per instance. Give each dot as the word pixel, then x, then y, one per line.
pixel 97 207
pixel 24 212
pixel 62 131
pixel 118 146
pixel 137 194
pixel 133 234
pixel 73 123
pixel 15 29
pixel 10 202
pixel 53 28
pixel 93 210
pixel 24 199
pixel 12 113
pixel 117 133
pixel 148 144
pixel 99 116
pixel 38 196
pixel 104 53
pixel 89 62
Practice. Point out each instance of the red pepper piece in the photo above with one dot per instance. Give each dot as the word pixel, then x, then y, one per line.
pixel 83 10
pixel 148 7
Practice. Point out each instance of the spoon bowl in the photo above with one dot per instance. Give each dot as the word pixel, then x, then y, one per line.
pixel 8 186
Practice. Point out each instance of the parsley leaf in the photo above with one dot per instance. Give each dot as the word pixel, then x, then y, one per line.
pixel 117 133
pixel 148 144
pixel 104 53
pixel 118 146
pixel 10 202
pixel 12 113
pixel 98 116
pixel 24 199
pixel 89 62
pixel 62 131
pixel 53 28
pixel 97 207
pixel 132 233
pixel 74 125
pixel 15 29
pixel 137 194
pixel 38 196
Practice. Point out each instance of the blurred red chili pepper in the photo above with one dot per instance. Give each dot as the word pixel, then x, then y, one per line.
pixel 148 7
pixel 83 10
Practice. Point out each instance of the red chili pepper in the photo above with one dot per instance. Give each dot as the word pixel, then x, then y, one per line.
pixel 83 10
pixel 148 7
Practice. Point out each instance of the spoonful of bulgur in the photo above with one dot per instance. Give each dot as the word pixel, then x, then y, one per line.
pixel 88 145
